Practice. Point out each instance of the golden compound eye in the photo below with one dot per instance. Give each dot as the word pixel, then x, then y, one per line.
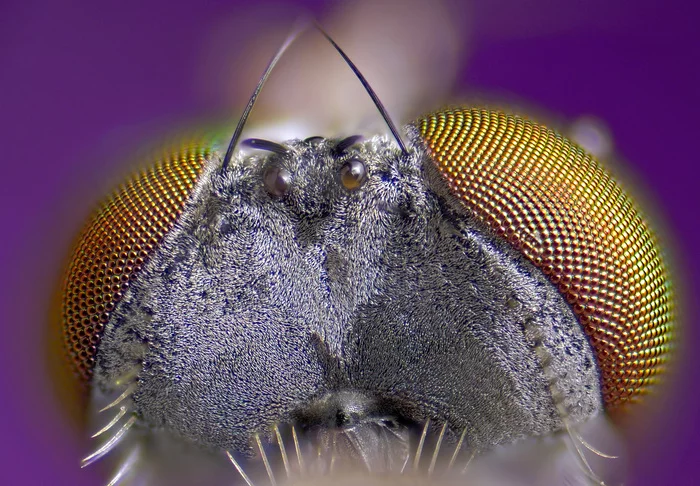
pixel 353 174
pixel 277 180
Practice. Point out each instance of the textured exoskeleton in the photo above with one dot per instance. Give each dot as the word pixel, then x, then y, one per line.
pixel 493 281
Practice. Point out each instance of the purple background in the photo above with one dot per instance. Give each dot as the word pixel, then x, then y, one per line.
pixel 77 79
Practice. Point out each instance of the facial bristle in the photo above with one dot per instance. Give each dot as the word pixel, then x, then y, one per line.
pixel 292 457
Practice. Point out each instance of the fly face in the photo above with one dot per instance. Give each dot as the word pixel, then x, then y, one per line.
pixel 353 300
pixel 264 299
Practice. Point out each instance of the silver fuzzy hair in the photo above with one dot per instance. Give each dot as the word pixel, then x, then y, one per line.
pixel 253 308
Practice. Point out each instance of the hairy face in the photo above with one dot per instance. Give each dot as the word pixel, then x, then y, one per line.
pixel 339 287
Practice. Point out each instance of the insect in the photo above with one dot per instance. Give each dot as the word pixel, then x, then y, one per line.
pixel 473 282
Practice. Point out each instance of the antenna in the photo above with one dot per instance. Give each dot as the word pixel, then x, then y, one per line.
pixel 298 29
pixel 369 90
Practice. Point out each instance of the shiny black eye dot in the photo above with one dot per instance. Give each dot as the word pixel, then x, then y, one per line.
pixel 277 180
pixel 353 174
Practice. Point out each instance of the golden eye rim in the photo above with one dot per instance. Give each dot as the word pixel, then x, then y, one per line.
pixel 473 147
pixel 117 240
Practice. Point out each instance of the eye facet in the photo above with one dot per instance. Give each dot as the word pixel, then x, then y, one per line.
pixel 590 240
pixel 353 174
pixel 277 180
pixel 126 231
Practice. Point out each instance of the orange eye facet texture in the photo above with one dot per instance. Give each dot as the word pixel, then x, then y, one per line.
pixel 566 214
pixel 116 242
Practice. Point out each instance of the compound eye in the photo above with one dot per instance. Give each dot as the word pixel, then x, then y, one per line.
pixel 277 180
pixel 353 174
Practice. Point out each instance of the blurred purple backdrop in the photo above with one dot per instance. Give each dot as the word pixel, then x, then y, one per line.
pixel 78 77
